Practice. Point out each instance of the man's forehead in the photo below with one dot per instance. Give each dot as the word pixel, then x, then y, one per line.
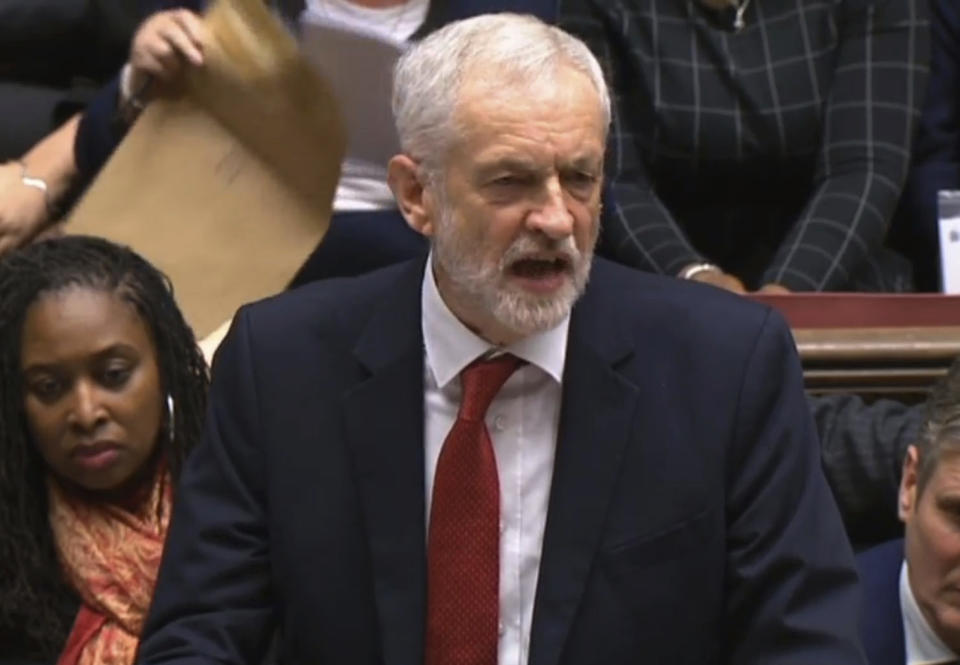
pixel 562 83
pixel 537 158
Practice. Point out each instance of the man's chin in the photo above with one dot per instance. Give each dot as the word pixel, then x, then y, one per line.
pixel 528 312
pixel 543 287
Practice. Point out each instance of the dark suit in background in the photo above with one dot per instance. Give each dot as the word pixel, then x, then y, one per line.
pixel 881 626
pixel 689 522
pixel 54 54
pixel 863 449
pixel 936 155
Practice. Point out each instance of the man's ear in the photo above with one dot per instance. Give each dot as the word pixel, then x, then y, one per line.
pixel 413 197
pixel 907 501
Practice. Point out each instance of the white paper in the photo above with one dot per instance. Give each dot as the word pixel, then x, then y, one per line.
pixel 358 65
pixel 948 207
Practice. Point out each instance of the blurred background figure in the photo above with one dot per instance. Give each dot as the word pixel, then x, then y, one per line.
pixel 366 230
pixel 759 144
pixel 102 393
pixel 54 55
pixel 912 586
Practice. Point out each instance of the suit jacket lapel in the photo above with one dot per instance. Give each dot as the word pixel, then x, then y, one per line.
pixel 597 411
pixel 384 423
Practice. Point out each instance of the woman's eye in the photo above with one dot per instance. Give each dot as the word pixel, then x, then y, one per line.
pixel 46 389
pixel 115 376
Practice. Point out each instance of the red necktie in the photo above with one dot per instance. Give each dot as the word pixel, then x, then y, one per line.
pixel 463 545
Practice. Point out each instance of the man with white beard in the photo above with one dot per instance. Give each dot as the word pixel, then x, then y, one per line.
pixel 478 458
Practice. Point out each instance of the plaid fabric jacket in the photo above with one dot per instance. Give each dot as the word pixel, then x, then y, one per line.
pixel 778 150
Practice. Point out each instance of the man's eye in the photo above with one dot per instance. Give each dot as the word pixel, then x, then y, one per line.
pixel 510 181
pixel 581 179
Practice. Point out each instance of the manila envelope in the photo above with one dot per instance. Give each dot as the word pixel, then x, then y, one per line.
pixel 226 184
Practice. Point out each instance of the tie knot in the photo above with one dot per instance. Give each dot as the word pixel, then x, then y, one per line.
pixel 482 380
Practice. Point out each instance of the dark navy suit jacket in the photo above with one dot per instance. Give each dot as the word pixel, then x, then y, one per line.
pixel 689 522
pixel 881 625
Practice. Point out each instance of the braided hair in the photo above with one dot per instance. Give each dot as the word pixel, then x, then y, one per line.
pixel 37 607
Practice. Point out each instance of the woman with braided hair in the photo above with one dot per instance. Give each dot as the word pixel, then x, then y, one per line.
pixel 102 394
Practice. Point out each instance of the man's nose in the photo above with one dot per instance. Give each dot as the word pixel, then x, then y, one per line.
pixel 87 410
pixel 552 217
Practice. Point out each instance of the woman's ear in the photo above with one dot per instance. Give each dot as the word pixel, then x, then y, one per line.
pixel 413 196
pixel 907 500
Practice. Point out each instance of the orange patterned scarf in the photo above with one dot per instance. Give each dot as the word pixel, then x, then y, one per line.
pixel 110 557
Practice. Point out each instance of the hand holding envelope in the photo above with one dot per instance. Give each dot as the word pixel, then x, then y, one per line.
pixel 226 183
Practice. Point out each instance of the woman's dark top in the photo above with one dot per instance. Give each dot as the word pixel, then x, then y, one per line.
pixel 778 150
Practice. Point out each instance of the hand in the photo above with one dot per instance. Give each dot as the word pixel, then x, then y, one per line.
pixel 163 43
pixel 721 279
pixel 774 289
pixel 23 210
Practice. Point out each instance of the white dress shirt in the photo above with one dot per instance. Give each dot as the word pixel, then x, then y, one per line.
pixel 522 420
pixel 923 646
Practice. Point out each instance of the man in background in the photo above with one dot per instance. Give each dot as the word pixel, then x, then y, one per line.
pixel 912 586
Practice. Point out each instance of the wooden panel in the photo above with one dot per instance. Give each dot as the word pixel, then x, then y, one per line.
pixel 893 345
pixel 895 362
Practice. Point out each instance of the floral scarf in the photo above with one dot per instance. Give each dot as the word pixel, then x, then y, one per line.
pixel 110 557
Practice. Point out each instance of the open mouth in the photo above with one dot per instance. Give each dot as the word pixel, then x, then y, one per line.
pixel 540 268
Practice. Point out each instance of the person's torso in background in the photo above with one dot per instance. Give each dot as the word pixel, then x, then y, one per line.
pixel 363 184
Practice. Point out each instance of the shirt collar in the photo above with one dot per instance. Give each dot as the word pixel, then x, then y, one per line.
pixel 922 643
pixel 450 345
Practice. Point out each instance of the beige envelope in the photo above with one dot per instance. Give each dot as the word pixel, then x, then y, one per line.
pixel 226 185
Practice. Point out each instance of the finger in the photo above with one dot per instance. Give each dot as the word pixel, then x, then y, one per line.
pixel 149 50
pixel 193 25
pixel 181 41
pixel 163 66
pixel 195 33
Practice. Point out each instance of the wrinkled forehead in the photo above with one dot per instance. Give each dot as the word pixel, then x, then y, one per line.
pixel 561 87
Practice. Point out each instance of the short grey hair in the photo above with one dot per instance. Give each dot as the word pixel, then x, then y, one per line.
pixel 428 77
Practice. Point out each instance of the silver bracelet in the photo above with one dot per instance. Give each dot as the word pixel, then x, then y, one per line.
pixel 37 183
pixel 696 268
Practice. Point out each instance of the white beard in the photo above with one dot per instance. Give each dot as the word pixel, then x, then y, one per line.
pixel 487 285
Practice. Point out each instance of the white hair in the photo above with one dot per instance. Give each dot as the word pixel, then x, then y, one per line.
pixel 511 47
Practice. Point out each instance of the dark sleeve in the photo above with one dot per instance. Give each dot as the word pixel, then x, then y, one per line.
pixel 792 592
pixel 863 448
pixel 100 131
pixel 868 124
pixel 213 601
pixel 637 229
